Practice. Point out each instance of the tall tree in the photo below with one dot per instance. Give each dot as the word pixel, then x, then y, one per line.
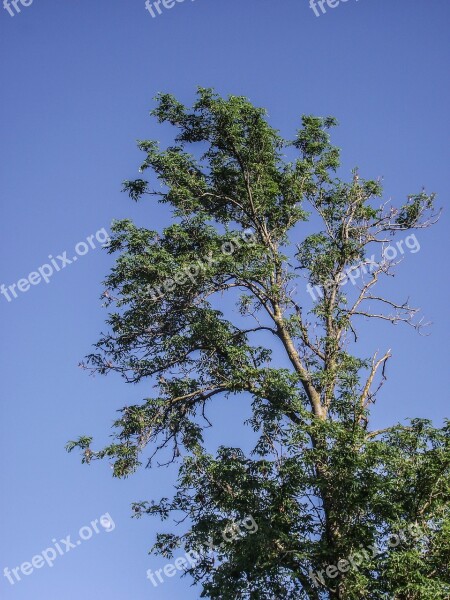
pixel 343 511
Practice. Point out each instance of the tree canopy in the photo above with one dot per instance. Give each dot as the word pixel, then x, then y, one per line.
pixel 216 305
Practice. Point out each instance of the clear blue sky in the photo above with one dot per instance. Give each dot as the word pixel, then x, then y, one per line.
pixel 77 81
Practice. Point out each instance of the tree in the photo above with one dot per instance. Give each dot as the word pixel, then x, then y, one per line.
pixel 343 512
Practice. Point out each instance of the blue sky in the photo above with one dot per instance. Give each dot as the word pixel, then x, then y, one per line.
pixel 77 81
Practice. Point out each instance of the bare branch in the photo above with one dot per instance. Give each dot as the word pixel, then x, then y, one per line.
pixel 375 366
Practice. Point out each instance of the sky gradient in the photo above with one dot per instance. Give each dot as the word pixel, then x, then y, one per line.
pixel 77 82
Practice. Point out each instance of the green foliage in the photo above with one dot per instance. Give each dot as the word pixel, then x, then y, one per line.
pixel 319 483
